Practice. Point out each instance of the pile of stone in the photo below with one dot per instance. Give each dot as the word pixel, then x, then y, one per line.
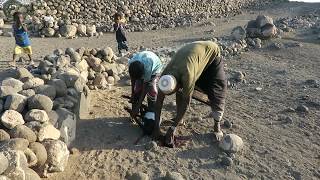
pixel 37 123
pixel 255 31
pixel 92 66
pixel 65 18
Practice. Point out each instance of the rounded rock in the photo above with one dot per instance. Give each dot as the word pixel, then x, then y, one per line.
pixel 15 102
pixel 11 119
pixel 36 115
pixel 231 143
pixel 173 176
pixel 41 153
pixel 4 136
pixel 47 90
pixel 41 102
pixel 22 131
pixel 31 157
pixel 4 163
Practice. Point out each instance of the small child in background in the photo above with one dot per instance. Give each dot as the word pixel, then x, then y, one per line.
pixel 21 36
pixel 119 25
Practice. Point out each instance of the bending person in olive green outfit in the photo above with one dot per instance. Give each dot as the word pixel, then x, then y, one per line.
pixel 195 66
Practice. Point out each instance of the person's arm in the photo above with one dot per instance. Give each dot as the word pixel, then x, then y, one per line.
pixel 158 108
pixel 137 104
pixel 182 106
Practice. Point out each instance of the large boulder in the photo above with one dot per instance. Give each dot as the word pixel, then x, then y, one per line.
pixel 40 151
pixel 33 83
pixel 15 102
pixel 11 118
pixel 69 76
pixel 68 31
pixel 67 125
pixel 22 131
pixel 41 102
pixel 60 86
pixel 58 155
pixel 47 90
pixel 268 31
pixel 231 143
pixel 262 20
pixel 48 131
pixel 36 115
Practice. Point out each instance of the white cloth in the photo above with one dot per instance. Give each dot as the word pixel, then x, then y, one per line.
pixel 167 84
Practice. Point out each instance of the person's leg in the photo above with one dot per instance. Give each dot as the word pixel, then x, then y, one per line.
pixel 213 83
pixel 152 93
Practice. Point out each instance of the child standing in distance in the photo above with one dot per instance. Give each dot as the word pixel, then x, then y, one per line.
pixel 21 36
pixel 119 25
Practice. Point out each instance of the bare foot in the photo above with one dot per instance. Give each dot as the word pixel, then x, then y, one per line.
pixel 217 136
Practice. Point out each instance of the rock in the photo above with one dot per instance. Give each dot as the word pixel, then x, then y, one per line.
pixel 173 176
pixel 40 151
pixel 238 33
pixel 53 117
pixel 79 84
pixel 226 161
pixel 75 151
pixel 33 83
pixel 30 174
pixel 17 159
pixel 15 102
pixel 262 20
pixel 34 125
pixel 94 62
pixel 48 131
pixel 231 143
pixel 82 30
pixel 14 144
pixel 48 32
pixel 70 76
pixel 58 155
pixel 111 80
pixel 82 65
pixel 24 73
pixel 22 131
pixel 31 157
pixel 10 86
pixel 238 76
pixel 107 54
pixel 11 118
pixel 36 115
pixel 116 78
pixel 2 177
pixel 91 30
pixel 63 61
pixel 268 31
pixel 137 176
pixel 302 108
pixel 60 87
pixel 100 81
pixel 74 56
pixel 67 125
pixel 4 163
pixel 68 31
pixel 257 43
pixel 47 90
pixel 41 102
pixel 4 136
pixel 27 93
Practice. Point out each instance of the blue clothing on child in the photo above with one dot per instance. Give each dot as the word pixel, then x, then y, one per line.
pixel 21 36
pixel 151 62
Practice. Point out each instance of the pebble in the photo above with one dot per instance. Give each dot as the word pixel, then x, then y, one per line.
pixel 173 176
pixel 231 143
pixel 227 124
pixel 137 176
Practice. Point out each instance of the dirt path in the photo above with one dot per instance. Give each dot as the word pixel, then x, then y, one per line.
pixel 275 147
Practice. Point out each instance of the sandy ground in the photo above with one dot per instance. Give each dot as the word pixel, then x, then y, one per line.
pixel 274 147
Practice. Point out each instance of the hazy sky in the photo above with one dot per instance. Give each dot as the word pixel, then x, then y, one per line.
pixel 307 0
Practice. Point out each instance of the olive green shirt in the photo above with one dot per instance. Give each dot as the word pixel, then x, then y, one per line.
pixel 189 62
